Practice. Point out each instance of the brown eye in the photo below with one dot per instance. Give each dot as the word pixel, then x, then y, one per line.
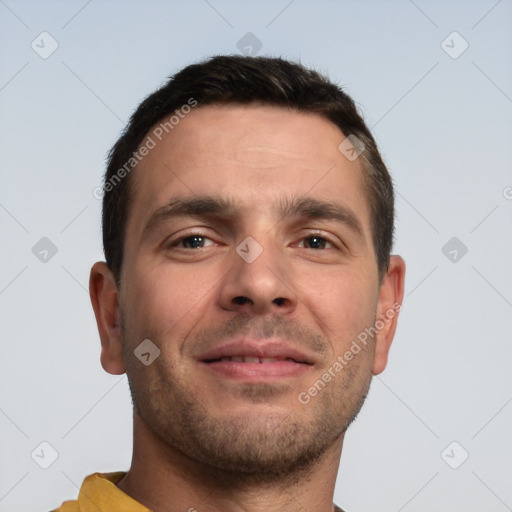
pixel 195 241
pixel 316 242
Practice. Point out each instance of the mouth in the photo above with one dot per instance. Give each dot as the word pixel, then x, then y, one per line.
pixel 256 369
pixel 257 362
pixel 254 360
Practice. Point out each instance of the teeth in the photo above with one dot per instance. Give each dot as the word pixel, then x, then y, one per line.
pixel 250 359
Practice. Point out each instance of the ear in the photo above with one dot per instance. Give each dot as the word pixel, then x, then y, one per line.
pixel 389 305
pixel 105 302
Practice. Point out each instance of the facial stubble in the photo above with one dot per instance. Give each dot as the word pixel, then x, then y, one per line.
pixel 245 447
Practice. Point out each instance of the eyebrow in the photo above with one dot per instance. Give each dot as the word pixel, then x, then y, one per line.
pixel 312 208
pixel 224 208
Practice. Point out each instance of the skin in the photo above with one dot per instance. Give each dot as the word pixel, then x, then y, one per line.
pixel 201 439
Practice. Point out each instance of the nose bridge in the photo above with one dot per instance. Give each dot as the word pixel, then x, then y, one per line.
pixel 259 279
pixel 258 257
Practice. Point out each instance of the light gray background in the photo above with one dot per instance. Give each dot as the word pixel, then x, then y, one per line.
pixel 444 127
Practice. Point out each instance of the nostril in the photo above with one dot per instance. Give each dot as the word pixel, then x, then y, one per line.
pixel 279 301
pixel 241 300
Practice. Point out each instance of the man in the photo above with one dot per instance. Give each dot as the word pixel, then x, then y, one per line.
pixel 248 290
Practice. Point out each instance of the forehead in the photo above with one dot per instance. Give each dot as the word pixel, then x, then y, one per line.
pixel 253 153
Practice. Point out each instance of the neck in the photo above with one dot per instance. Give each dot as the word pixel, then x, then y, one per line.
pixel 165 480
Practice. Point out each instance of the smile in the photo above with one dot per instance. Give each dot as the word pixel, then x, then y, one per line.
pixel 252 359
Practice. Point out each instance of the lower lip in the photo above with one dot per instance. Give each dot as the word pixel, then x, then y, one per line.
pixel 258 371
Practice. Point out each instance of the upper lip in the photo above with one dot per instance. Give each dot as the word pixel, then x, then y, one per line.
pixel 254 348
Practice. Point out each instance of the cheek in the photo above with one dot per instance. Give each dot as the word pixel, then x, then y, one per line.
pixel 164 299
pixel 342 306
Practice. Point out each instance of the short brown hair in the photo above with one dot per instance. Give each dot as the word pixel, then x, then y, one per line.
pixel 243 80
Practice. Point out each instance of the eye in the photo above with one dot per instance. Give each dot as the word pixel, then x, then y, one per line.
pixel 192 241
pixel 317 242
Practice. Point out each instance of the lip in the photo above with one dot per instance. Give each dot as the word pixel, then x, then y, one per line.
pixel 261 349
pixel 289 361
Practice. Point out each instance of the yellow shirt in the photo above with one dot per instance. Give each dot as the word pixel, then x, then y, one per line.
pixel 99 493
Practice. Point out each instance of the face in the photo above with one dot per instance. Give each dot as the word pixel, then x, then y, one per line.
pixel 249 264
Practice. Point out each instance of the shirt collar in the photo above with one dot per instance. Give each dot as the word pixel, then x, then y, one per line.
pixel 100 494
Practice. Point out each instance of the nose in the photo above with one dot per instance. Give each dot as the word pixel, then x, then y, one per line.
pixel 258 283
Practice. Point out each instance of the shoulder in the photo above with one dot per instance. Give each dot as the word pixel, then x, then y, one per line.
pixel 68 506
pixel 95 486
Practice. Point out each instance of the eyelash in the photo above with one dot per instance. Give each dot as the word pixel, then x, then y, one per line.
pixel 201 235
